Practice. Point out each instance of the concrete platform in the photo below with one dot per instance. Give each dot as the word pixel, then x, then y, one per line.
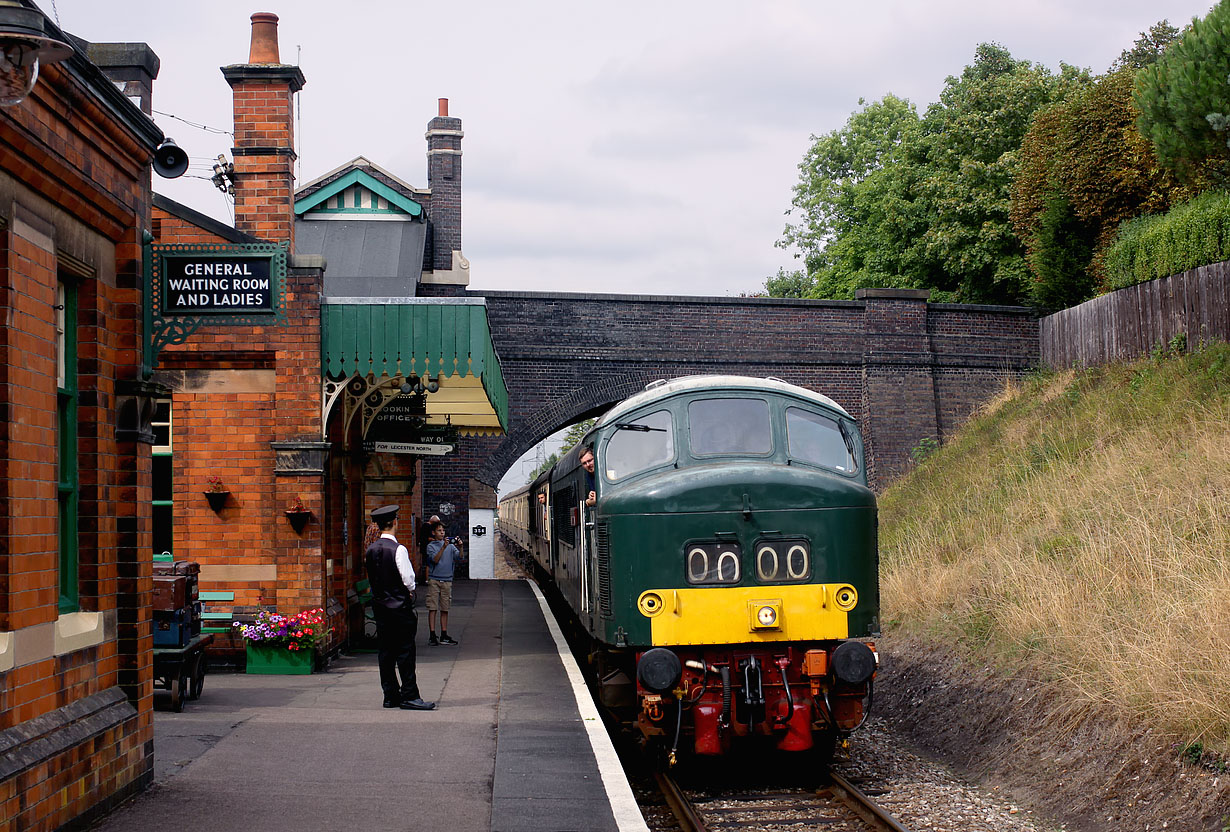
pixel 513 745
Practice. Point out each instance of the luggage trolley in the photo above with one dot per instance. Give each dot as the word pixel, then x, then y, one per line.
pixel 181 670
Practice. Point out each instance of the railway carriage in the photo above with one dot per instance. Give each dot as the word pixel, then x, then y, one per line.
pixel 726 579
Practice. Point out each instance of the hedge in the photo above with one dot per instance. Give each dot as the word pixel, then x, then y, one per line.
pixel 1191 234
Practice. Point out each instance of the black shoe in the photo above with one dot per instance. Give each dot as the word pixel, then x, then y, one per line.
pixel 417 705
pixel 392 703
pixel 433 641
pixel 445 638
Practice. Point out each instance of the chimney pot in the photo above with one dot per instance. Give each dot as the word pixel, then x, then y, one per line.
pixel 264 39
pixel 443 108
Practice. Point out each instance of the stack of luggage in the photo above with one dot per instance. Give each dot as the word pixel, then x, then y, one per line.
pixel 177 608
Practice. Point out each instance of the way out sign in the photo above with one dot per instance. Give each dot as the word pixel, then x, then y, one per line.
pixel 217 284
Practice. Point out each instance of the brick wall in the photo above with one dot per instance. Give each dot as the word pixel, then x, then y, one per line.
pixel 75 714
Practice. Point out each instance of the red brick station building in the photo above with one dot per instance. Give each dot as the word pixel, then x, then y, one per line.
pixel 303 362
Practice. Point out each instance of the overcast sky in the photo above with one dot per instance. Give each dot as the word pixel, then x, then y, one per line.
pixel 644 147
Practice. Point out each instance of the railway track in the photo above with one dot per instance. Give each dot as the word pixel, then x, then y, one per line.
pixel 837 805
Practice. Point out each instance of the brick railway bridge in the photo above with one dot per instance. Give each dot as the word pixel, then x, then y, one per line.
pixel 905 368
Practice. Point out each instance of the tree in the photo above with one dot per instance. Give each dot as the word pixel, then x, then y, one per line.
pixel 574 435
pixel 790 284
pixel 1148 47
pixel 1183 100
pixel 1083 170
pixel 894 200
pixel 971 139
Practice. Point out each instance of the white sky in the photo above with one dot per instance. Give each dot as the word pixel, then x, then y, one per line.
pixel 640 147
pixel 645 147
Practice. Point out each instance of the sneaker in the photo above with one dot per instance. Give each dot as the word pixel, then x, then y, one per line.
pixel 445 638
pixel 433 641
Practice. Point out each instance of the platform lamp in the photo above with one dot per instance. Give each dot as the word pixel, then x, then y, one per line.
pixel 23 45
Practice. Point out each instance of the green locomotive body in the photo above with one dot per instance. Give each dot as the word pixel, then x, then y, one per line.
pixel 726 574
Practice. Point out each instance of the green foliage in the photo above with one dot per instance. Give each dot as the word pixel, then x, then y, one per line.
pixel 1148 47
pixel 834 203
pixel 1183 98
pixel 892 199
pixel 1192 234
pixel 792 284
pixel 574 435
pixel 924 450
pixel 1060 259
pixel 1085 153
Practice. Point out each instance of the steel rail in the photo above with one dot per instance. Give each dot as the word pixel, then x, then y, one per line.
pixel 862 805
pixel 689 819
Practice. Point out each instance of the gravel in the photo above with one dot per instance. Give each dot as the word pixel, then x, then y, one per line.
pixel 923 795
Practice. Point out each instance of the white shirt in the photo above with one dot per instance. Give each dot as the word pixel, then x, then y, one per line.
pixel 402 559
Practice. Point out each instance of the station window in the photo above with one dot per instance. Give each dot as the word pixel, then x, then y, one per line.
pixel 164 491
pixel 68 484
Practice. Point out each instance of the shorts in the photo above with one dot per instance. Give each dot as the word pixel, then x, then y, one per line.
pixel 439 595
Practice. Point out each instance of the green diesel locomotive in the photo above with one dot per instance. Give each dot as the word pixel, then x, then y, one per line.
pixel 725 573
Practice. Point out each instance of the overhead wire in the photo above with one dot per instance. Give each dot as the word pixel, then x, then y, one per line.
pixel 205 127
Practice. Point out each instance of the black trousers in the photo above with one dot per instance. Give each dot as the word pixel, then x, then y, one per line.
pixel 395 632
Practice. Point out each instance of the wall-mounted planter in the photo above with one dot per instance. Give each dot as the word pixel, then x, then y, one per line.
pixel 298 519
pixel 217 499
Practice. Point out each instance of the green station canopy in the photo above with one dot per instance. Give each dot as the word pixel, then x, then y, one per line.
pixel 445 339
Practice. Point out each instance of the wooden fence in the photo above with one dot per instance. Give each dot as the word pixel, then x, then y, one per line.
pixel 1131 322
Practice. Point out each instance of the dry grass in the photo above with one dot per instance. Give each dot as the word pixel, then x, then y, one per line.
pixel 1081 522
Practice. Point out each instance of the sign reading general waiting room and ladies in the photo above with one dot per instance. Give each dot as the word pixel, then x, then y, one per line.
pixel 195 285
pixel 216 284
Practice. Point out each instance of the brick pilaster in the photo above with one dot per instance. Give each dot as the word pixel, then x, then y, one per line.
pixel 899 401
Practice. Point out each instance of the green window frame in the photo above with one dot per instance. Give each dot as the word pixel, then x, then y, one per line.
pixel 164 483
pixel 68 482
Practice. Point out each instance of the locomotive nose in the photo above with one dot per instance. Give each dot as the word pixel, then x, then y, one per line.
pixel 659 670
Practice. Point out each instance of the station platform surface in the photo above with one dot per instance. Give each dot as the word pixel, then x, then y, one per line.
pixel 514 745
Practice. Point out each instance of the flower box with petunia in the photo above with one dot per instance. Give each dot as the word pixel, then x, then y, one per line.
pixel 279 643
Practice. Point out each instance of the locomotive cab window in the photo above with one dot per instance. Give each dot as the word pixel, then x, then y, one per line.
pixel 730 426
pixel 819 440
pixel 638 444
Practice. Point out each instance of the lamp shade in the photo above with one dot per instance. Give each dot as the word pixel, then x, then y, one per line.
pixel 23 45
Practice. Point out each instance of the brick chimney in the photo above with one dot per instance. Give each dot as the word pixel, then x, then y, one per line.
pixel 264 151
pixel 132 66
pixel 444 178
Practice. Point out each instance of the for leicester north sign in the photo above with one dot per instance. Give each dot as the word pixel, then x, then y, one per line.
pixel 217 285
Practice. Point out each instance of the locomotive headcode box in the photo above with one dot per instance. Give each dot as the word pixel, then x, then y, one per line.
pixel 217 284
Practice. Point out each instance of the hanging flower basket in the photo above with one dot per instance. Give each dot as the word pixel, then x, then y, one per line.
pixel 298 519
pixel 217 499
pixel 298 514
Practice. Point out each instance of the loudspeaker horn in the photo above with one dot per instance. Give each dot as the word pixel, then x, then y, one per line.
pixel 170 160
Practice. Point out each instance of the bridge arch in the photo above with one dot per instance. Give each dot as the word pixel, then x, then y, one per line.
pixel 582 403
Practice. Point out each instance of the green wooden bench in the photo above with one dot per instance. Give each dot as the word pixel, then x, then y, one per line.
pixel 222 620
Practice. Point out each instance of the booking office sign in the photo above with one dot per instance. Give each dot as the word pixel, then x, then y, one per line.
pixel 191 286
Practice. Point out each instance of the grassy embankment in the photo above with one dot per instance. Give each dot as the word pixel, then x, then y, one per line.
pixel 1079 527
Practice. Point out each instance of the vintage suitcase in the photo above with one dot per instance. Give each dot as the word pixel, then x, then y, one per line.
pixel 176 628
pixel 176 584
pixel 170 592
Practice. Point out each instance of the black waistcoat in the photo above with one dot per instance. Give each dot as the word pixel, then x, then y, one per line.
pixel 387 588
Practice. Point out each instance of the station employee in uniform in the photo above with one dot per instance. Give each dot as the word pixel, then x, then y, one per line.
pixel 392 584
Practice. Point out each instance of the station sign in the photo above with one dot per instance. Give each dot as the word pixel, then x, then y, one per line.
pixel 417 448
pixel 217 284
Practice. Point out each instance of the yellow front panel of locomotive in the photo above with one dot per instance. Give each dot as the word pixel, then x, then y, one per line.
pixel 714 615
